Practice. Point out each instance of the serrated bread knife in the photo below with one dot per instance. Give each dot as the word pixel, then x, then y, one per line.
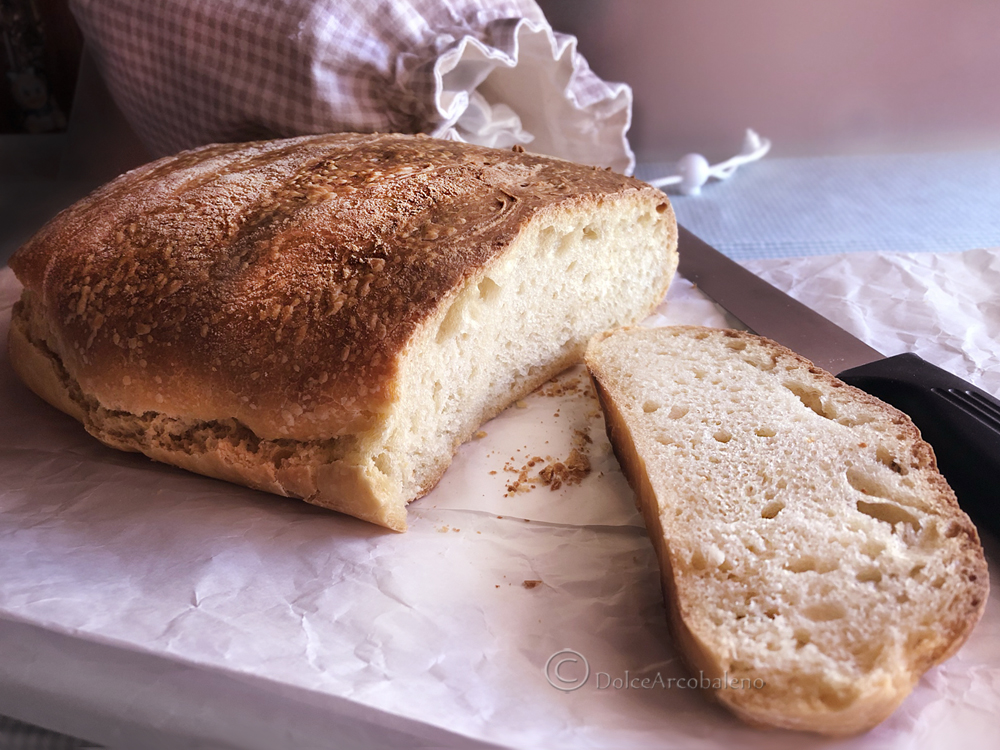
pixel 960 421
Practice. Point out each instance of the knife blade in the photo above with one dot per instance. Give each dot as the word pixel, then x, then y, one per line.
pixel 960 421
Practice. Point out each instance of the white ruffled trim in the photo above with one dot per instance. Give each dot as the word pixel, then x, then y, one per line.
pixel 540 93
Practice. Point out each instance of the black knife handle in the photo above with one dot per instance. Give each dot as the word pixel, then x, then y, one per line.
pixel 960 421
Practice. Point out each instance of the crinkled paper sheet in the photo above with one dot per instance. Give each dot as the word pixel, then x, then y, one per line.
pixel 436 624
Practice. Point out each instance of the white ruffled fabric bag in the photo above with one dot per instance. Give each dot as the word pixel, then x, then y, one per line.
pixel 491 72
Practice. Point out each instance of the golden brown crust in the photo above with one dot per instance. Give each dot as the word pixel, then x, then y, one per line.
pixel 35 368
pixel 277 282
pixel 878 696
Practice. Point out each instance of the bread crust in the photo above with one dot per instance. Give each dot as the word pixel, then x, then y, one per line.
pixel 877 697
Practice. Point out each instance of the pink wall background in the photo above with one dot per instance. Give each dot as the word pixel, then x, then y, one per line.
pixel 831 77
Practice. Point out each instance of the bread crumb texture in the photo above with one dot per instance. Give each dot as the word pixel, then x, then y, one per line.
pixel 805 535
pixel 367 299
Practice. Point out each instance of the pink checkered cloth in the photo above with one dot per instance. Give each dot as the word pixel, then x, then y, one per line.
pixel 492 72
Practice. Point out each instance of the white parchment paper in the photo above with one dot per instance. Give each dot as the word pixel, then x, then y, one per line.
pixel 436 626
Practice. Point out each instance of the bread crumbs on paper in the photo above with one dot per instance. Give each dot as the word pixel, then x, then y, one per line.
pixel 531 584
pixel 578 384
pixel 552 472
pixel 555 473
pixel 572 471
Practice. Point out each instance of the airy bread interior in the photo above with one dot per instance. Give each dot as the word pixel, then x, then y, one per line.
pixel 810 549
pixel 512 327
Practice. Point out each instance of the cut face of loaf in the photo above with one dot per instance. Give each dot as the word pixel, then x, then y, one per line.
pixel 329 317
pixel 810 551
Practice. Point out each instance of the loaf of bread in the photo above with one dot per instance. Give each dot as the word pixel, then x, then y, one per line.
pixel 329 317
pixel 814 561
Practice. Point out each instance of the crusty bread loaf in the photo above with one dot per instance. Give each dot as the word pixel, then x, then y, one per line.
pixel 329 317
pixel 814 561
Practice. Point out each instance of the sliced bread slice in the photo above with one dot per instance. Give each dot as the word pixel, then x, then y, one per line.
pixel 814 561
